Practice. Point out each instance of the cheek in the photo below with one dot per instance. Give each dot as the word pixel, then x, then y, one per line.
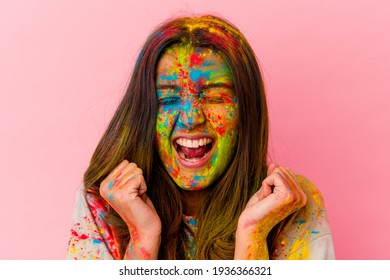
pixel 223 119
pixel 165 125
pixel 165 122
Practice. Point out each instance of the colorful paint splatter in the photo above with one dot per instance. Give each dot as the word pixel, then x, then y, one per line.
pixel 197 122
pixel 307 234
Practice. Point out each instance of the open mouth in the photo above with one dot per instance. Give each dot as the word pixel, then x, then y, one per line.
pixel 193 151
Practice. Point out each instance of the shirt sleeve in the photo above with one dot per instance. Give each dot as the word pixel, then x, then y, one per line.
pixel 91 237
pixel 306 235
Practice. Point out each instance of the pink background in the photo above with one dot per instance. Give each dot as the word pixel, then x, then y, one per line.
pixel 64 66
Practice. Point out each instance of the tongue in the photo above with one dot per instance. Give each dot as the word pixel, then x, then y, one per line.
pixel 195 152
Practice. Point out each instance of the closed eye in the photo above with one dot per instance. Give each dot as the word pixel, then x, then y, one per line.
pixel 213 99
pixel 169 101
pixel 166 87
pixel 165 94
pixel 217 93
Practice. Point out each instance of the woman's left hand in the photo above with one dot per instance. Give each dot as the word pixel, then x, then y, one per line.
pixel 279 196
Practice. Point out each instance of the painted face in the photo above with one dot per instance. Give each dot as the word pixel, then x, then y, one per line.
pixel 197 121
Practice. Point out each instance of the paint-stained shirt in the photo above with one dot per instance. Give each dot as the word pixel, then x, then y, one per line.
pixel 305 235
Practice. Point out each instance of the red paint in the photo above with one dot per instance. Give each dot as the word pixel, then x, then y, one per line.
pixel 168 32
pixel 220 130
pixel 145 253
pixel 195 59
pixel 227 99
pixel 175 172
pixel 74 233
pixel 83 236
pixel 118 176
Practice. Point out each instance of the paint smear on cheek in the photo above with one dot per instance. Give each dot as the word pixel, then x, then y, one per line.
pixel 220 129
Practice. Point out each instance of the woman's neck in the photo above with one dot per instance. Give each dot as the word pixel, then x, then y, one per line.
pixel 191 201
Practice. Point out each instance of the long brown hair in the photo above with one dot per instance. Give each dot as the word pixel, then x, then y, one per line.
pixel 130 135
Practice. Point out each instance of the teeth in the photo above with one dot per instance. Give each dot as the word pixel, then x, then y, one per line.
pixel 193 143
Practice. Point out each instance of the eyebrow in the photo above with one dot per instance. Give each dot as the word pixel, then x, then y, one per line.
pixel 205 87
pixel 217 85
pixel 162 87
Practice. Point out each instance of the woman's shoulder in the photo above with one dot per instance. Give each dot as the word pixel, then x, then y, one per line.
pixel 91 237
pixel 313 194
pixel 306 233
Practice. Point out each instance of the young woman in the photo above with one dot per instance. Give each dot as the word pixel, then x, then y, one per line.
pixel 181 170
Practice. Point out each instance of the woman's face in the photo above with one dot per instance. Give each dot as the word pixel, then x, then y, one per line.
pixel 197 121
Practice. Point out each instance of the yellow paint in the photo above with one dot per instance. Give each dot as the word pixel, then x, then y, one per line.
pixel 73 250
pixel 299 249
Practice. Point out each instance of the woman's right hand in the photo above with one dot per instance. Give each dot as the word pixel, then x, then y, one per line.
pixel 125 190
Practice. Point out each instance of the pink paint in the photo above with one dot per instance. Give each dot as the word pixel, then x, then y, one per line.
pixel 250 223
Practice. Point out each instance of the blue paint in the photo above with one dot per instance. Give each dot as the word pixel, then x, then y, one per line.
pixel 192 221
pixel 168 77
pixel 208 62
pixel 186 115
pixel 96 241
pixel 198 177
pixel 315 232
pixel 131 249
pixel 199 74
pixel 110 184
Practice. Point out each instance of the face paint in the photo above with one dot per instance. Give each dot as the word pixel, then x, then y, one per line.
pixel 197 121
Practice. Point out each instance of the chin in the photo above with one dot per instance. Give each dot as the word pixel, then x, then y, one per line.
pixel 190 186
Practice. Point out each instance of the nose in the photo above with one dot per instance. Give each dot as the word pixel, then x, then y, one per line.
pixel 191 114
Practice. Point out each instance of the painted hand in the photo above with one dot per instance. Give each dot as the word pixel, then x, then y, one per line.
pixel 125 190
pixel 279 196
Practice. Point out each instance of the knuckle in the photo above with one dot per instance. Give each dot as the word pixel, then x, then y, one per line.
pixel 278 169
pixel 103 191
pixel 133 182
pixel 138 179
pixel 138 171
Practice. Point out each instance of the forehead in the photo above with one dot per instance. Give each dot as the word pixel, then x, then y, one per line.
pixel 179 58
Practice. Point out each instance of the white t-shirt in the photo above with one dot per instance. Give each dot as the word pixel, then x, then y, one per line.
pixel 305 235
